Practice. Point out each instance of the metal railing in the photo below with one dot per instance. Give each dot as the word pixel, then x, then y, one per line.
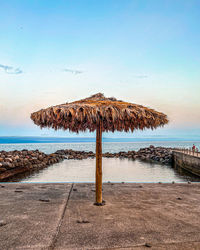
pixel 189 151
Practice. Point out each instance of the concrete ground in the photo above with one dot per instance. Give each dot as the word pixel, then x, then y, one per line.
pixel 136 216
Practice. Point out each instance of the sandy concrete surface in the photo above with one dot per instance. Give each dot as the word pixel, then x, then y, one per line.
pixel 136 216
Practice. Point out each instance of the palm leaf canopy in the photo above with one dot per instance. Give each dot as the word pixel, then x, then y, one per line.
pixel 85 114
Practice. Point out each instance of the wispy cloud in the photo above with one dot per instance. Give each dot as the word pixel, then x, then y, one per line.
pixel 73 71
pixel 11 70
pixel 140 76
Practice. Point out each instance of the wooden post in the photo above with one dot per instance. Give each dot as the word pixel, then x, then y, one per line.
pixel 99 164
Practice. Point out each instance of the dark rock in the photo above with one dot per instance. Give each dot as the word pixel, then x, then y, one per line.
pixel 7 159
pixel 7 165
pixel 44 200
pixel 2 169
pixel 2 223
pixel 40 157
pixel 147 245
pixel 82 221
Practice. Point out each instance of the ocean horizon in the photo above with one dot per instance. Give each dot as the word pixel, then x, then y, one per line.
pixel 41 139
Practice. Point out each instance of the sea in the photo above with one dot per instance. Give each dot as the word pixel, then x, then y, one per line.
pixel 51 144
pixel 114 170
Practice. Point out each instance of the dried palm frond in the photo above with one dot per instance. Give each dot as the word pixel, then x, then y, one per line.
pixel 116 115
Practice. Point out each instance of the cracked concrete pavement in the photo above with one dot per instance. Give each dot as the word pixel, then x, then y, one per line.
pixel 136 216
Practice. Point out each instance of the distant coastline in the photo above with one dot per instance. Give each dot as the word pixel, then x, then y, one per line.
pixel 38 139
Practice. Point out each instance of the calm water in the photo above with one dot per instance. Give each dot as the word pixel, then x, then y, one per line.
pixel 114 170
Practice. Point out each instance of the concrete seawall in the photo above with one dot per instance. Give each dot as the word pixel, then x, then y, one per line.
pixel 187 162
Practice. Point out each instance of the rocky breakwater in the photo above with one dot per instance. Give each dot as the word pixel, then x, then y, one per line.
pixel 16 162
pixel 156 154
pixel 150 154
pixel 74 154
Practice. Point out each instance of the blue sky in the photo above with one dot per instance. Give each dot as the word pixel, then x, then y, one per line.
pixel 146 52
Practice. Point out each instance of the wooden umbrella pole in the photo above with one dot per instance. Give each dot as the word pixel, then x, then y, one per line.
pixel 99 164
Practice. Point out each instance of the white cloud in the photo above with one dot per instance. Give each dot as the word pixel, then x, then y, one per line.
pixel 75 72
pixel 11 70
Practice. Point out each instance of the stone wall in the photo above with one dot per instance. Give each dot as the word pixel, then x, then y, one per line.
pixel 187 162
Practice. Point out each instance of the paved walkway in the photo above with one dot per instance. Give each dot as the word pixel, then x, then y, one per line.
pixel 136 216
pixel 188 152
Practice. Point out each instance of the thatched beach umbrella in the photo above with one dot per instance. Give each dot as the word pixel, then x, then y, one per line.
pixel 101 114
